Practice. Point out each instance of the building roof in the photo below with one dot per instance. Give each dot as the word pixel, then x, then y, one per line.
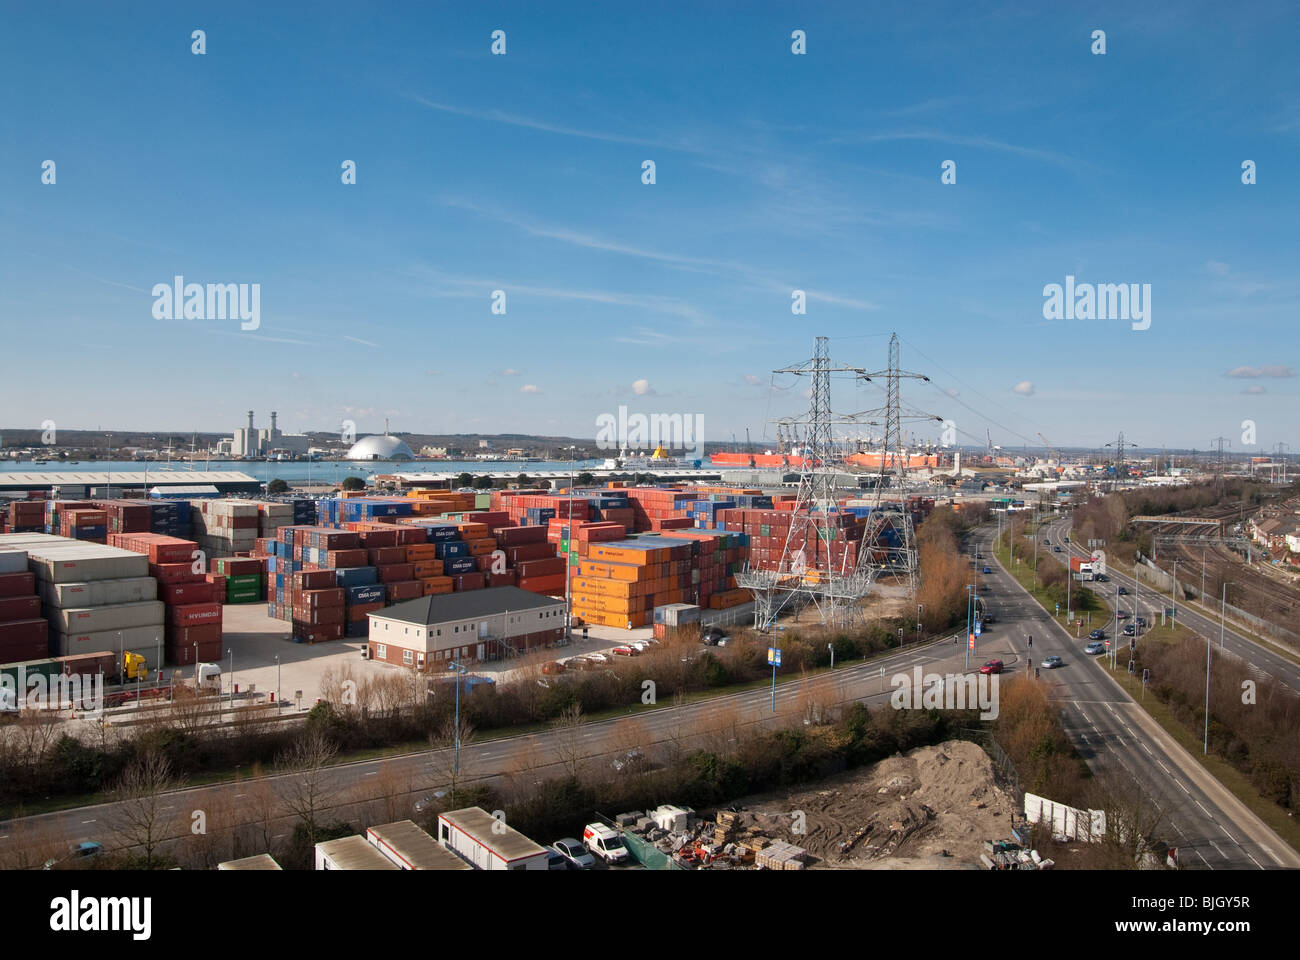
pixel 477 823
pixel 411 845
pixel 383 447
pixel 262 861
pixel 466 605
pixel 354 853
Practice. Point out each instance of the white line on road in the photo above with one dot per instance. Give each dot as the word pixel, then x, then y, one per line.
pixel 87 821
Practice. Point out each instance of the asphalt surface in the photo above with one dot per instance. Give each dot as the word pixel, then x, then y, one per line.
pixel 1263 661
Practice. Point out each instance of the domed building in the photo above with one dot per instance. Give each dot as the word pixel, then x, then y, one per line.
pixel 380 448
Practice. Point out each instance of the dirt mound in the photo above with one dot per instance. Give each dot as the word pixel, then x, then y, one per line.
pixel 930 808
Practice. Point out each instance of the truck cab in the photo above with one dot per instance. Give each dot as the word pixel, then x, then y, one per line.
pixel 604 842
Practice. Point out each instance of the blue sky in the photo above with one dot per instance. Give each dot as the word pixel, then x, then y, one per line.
pixel 774 172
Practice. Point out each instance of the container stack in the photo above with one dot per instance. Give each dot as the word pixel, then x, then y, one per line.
pixel 833 547
pixel 127 516
pixel 225 528
pixel 239 579
pixel 24 633
pixel 571 539
pixel 192 602
pixel 94 597
pixel 624 580
pixel 84 524
pixel 26 516
pixel 718 557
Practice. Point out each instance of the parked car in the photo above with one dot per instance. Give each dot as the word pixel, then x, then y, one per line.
pixel 574 853
pixel 596 658
pixel 1051 663
pixel 552 666
pixel 1094 648
pixel 556 861
pixel 577 663
pixel 711 635
pixel 630 761
pixel 993 666
pixel 604 842
pixel 626 651
pixel 1097 635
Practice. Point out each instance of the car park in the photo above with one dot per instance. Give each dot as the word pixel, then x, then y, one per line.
pixel 993 666
pixel 1094 648
pixel 574 853
pixel 1051 663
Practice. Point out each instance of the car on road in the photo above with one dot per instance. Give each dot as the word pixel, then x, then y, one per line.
pixel 1102 578
pixel 988 569
pixel 1121 614
pixel 574 853
pixel 1140 621
pixel 1066 539
pixel 1056 549
pixel 1123 591
pixel 993 666
pixel 1097 635
pixel 1094 648
pixel 1051 663
pixel 1130 630
pixel 988 618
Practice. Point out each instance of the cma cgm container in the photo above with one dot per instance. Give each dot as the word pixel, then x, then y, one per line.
pixel 470 833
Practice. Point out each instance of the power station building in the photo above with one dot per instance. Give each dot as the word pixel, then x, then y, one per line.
pixel 253 441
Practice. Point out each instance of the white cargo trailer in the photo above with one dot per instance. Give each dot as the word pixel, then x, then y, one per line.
pixel 488 843
pixel 411 848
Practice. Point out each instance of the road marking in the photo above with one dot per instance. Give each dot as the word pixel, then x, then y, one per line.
pixel 238 795
pixel 373 773
pixel 84 822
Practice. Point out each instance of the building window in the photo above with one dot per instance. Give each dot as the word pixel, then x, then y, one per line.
pixel 406 657
pixel 381 651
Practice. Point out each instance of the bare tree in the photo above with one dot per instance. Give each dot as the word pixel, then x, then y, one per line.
pixel 142 818
pixel 32 841
pixel 260 810
pixel 451 766
pixel 306 789
pixel 568 746
pixel 525 765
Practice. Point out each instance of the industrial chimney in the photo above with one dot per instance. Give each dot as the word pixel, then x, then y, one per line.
pixel 250 421
pixel 272 421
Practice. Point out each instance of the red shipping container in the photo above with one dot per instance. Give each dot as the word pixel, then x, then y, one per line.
pixel 504 579
pixel 17 584
pixel 371 539
pixel 467 581
pixel 314 579
pixel 384 556
pixel 218 581
pixel 19 608
pixel 205 634
pixel 541 568
pixel 339 559
pixel 550 584
pixel 517 536
pixel 361 611
pixel 319 615
pixel 408 590
pixel 484 563
pixel 237 566
pixel 396 572
pixel 174 573
pixel 34 631
pixel 167 550
pixel 531 551
pixel 323 599
pixel 317 633
pixel 194 614
pixel 202 591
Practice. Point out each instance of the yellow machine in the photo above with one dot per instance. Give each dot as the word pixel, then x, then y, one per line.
pixel 133 667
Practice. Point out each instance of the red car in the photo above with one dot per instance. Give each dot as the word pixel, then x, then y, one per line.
pixel 993 666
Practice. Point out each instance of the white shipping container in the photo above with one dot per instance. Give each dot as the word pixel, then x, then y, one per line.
pixel 146 641
pixel 81 562
pixel 351 853
pixel 113 616
pixel 13 561
pixel 98 593
pixel 488 843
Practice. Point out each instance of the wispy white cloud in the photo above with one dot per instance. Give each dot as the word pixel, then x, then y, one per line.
pixel 366 343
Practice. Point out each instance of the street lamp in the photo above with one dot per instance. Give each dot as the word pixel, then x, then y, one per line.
pixel 919 608
pixel 277 683
pixel 460 671
pixel 231 654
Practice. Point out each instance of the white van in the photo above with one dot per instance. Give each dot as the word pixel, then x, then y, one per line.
pixel 604 842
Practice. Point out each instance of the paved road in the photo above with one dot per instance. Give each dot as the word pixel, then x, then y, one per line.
pixel 1209 826
pixel 1262 660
